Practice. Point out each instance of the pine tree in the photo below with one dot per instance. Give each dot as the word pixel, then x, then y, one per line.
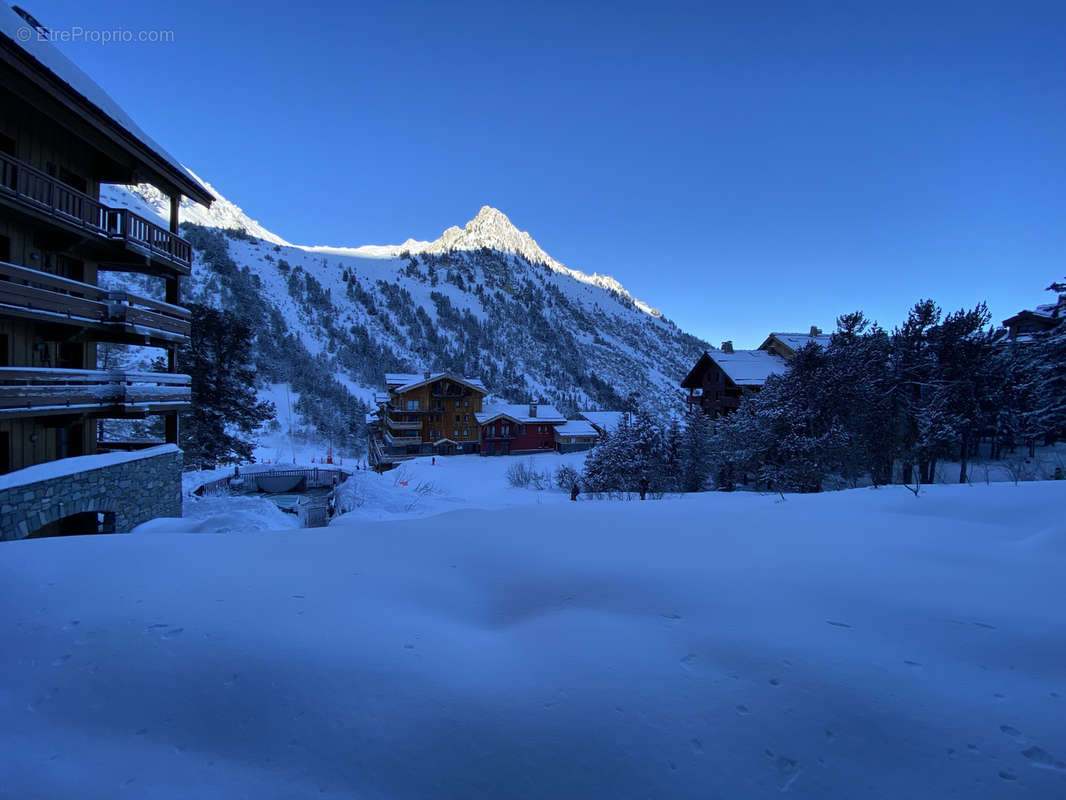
pixel 218 358
pixel 694 451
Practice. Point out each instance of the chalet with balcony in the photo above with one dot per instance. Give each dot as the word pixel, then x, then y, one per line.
pixel 721 378
pixel 61 137
pixel 425 414
pixel 519 429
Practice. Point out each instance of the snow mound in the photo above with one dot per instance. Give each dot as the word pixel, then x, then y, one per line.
pixel 223 514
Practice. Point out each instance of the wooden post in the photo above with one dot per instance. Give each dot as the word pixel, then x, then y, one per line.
pixel 175 203
pixel 173 290
pixel 170 421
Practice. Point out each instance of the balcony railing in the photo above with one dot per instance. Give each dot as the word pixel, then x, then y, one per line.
pixel 402 437
pixel 41 192
pixel 403 425
pixel 33 391
pixel 30 292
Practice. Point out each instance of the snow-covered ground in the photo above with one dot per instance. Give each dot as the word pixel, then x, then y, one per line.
pixel 860 644
pixel 425 486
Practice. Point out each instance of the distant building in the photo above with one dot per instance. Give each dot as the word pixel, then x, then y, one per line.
pixel 61 137
pixel 425 414
pixel 722 377
pixel 518 429
pixel 787 345
pixel 1042 318
pixel 575 435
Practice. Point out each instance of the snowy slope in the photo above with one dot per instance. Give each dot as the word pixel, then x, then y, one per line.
pixel 730 646
pixel 484 299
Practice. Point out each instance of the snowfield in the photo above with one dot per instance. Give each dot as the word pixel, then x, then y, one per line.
pixel 860 644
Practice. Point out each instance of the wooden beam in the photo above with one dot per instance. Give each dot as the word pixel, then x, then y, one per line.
pixel 173 291
pixel 175 204
pixel 170 423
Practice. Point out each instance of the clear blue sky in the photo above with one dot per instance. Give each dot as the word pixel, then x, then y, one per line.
pixel 742 166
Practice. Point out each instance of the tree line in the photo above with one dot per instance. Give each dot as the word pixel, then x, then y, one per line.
pixel 873 406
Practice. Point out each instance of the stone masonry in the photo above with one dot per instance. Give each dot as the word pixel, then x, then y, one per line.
pixel 135 491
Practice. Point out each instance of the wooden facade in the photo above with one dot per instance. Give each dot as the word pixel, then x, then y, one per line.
pixel 428 414
pixel 58 144
pixel 710 388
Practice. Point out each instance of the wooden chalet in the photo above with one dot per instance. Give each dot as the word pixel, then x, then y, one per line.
pixel 575 435
pixel 1042 318
pixel 720 378
pixel 519 429
pixel 425 414
pixel 61 137
pixel 787 344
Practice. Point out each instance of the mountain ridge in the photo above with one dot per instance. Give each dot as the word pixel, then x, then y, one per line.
pixel 483 300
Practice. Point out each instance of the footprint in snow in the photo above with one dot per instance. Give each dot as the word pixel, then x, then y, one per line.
pixel 63 659
pixel 1043 759
pixel 837 624
pixel 743 711
pixel 173 632
pixel 912 663
pixel 1013 733
pixel 1008 775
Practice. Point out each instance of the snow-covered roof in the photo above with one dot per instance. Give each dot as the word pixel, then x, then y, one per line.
pixel 25 36
pixel 72 466
pixel 604 420
pixel 381 397
pixel 405 381
pixel 576 427
pixel 519 412
pixel 748 367
pixel 797 341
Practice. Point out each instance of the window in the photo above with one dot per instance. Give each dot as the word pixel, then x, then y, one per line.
pixel 466 404
pixel 458 418
pixel 466 433
pixel 412 405
pixel 456 433
pixel 457 404
pixel 505 429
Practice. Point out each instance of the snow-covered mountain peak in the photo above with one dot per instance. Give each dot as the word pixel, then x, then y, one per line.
pixel 492 230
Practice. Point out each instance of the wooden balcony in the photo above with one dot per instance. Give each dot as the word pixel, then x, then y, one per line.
pixel 402 437
pixel 29 391
pixel 38 193
pixel 403 425
pixel 118 315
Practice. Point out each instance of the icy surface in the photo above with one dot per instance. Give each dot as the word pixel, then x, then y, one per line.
pixel 865 644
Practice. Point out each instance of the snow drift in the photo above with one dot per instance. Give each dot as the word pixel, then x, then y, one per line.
pixel 856 644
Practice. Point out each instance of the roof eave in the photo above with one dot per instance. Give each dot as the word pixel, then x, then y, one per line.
pixel 48 81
